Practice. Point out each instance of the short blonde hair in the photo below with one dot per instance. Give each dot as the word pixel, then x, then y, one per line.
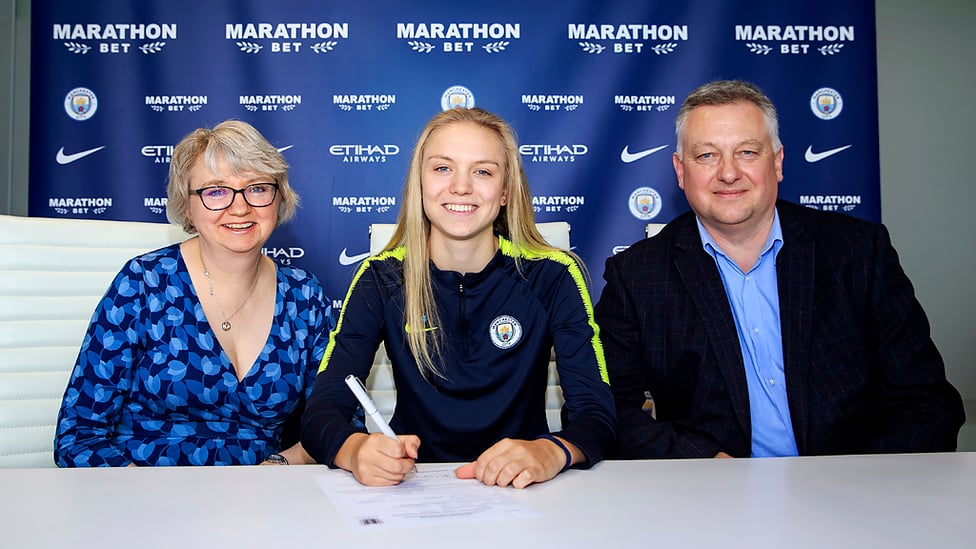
pixel 243 148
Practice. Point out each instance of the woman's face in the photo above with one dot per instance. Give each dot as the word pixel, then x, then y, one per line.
pixel 240 227
pixel 462 183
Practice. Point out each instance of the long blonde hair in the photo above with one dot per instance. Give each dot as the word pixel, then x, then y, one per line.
pixel 515 221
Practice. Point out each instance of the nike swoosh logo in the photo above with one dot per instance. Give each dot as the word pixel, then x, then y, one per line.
pixel 349 260
pixel 69 158
pixel 627 157
pixel 812 157
pixel 406 328
pixel 283 149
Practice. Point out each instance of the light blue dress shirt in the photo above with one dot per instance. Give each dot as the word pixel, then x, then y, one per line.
pixel 754 298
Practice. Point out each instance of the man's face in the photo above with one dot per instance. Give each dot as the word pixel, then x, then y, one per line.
pixel 730 173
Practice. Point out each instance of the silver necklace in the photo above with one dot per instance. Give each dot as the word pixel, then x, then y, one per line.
pixel 225 325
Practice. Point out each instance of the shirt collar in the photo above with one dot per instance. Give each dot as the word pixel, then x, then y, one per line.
pixel 774 240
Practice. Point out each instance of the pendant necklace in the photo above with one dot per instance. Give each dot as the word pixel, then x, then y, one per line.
pixel 225 325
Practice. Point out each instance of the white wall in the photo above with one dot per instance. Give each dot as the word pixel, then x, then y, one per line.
pixel 926 94
pixel 927 87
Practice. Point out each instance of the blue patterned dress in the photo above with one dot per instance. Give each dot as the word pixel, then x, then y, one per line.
pixel 152 385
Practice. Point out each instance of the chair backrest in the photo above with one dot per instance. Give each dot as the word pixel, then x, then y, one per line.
pixel 52 274
pixel 652 229
pixel 380 381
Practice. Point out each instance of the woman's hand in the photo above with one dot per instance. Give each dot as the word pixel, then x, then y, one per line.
pixel 519 463
pixel 378 460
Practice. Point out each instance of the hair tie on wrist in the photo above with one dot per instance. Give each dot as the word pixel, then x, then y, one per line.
pixel 557 442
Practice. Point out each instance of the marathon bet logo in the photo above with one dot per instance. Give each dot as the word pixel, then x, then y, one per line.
pixel 272 102
pixel 659 103
pixel 364 204
pixel 364 154
pixel 176 103
pixel 557 203
pixel 78 206
pixel 492 37
pixel 155 204
pixel 552 102
pixel 552 153
pixel 627 38
pixel 831 202
pixel 114 38
pixel 364 101
pixel 794 39
pixel 286 37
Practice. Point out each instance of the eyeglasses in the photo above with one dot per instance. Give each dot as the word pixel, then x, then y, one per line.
pixel 219 197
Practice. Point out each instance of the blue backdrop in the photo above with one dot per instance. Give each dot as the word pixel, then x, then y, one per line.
pixel 592 88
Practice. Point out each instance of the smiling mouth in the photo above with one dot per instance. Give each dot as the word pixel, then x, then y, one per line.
pixel 460 208
pixel 239 226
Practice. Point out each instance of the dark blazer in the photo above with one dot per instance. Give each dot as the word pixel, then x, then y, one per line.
pixel 862 372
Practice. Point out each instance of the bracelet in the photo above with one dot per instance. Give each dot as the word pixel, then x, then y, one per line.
pixel 557 442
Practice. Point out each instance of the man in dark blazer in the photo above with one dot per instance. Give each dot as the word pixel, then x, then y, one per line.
pixel 757 327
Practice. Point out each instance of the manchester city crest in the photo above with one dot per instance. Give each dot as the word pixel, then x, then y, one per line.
pixel 645 203
pixel 81 104
pixel 457 97
pixel 505 331
pixel 826 103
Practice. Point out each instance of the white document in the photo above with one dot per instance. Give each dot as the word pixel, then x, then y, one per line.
pixel 429 497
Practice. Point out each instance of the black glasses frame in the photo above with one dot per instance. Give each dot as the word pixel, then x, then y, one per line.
pixel 243 193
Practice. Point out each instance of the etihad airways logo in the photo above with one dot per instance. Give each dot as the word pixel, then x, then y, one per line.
pixel 284 256
pixel 364 101
pixel 272 102
pixel 553 153
pixel 367 154
pixel 114 38
pixel 176 103
pixel 160 154
pixel 459 38
pixel 551 102
pixel 364 204
pixel 286 38
pixel 627 38
pixel 794 39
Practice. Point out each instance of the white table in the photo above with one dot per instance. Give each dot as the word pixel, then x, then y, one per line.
pixel 917 501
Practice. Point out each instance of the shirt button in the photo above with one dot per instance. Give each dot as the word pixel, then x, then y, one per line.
pixel 772 381
pixel 755 330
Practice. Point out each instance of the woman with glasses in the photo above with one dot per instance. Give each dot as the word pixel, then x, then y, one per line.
pixel 200 352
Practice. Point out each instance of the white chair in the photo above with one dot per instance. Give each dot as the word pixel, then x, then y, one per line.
pixel 380 381
pixel 52 274
pixel 652 229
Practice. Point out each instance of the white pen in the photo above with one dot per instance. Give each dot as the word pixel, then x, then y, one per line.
pixel 368 405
